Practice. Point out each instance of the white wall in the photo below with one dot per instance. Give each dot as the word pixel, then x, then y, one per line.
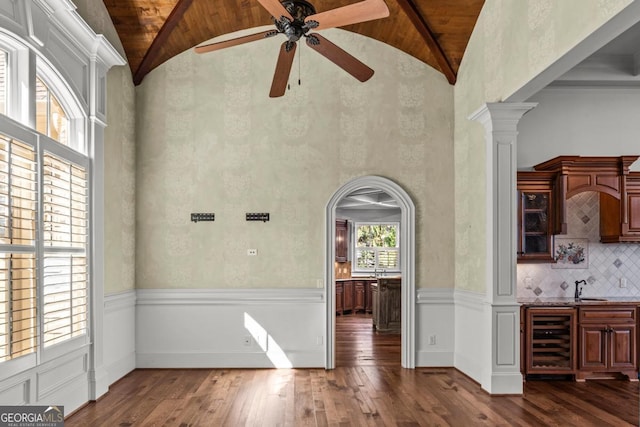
pixel 601 121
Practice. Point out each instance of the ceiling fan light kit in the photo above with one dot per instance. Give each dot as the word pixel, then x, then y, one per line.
pixel 294 19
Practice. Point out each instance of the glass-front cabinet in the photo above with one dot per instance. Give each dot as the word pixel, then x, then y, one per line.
pixel 535 221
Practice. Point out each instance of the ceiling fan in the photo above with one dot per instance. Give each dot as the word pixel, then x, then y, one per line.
pixel 294 19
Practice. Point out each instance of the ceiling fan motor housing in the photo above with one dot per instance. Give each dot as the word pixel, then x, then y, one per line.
pixel 299 10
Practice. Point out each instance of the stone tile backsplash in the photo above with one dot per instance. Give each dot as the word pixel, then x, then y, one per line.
pixel 608 263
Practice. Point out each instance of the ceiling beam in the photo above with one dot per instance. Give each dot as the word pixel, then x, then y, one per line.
pixel 152 53
pixel 421 25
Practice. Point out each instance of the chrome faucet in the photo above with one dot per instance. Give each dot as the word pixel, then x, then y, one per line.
pixel 579 289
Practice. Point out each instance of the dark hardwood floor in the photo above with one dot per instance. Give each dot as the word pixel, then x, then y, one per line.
pixel 367 388
pixel 358 344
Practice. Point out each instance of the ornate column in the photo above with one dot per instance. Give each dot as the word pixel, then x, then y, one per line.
pixel 501 312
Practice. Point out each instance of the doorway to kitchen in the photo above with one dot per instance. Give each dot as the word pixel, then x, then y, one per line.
pixel 369 188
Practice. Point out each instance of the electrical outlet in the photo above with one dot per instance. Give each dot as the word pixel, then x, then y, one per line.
pixel 319 340
pixel 527 282
pixel 432 340
pixel 623 282
pixel 252 252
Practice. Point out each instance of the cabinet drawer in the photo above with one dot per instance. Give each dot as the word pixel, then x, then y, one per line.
pixel 608 314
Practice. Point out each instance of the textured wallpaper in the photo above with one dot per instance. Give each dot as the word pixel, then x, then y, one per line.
pixel 211 140
pixel 512 42
pixel 119 159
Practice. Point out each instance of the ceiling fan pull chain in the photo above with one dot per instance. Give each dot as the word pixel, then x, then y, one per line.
pixel 299 60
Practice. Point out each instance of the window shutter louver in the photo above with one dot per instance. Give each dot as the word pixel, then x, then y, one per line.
pixel 65 239
pixel 18 195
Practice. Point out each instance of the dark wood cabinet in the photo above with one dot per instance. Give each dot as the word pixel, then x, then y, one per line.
pixel 608 341
pixel 354 296
pixel 620 217
pixel 551 341
pixel 619 190
pixel 359 296
pixel 368 296
pixel 342 240
pixel 387 304
pixel 536 216
pixel 347 296
pixel 588 341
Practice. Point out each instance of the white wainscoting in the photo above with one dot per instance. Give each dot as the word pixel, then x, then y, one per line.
pixel 61 381
pixel 239 328
pixel 471 336
pixel 435 319
pixel 119 334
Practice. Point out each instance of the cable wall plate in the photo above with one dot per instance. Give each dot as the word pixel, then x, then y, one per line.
pixel 197 217
pixel 264 217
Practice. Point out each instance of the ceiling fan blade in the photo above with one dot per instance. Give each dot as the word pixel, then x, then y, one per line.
pixel 283 68
pixel 234 42
pixel 363 11
pixel 341 58
pixel 275 8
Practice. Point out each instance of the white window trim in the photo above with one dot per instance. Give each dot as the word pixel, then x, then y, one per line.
pixel 354 247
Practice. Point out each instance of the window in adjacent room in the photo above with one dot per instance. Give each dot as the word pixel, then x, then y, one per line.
pixel 377 246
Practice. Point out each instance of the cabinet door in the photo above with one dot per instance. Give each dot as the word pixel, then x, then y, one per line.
pixel 339 298
pixel 593 347
pixel 368 297
pixel 347 297
pixel 622 342
pixel 359 297
pixel 342 242
pixel 633 208
pixel 534 226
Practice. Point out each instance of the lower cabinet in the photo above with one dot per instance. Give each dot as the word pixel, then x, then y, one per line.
pixel 387 303
pixel 354 296
pixel 608 341
pixel 339 299
pixel 588 341
pixel 347 296
pixel 358 296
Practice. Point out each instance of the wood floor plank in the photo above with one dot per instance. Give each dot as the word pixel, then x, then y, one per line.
pixel 359 392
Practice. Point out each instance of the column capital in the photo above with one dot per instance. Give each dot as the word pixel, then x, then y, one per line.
pixel 501 116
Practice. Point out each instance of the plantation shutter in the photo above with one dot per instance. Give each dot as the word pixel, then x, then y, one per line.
pixel 65 222
pixel 18 195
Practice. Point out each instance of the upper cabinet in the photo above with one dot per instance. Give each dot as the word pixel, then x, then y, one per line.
pixel 542 194
pixel 536 216
pixel 342 240
pixel 620 218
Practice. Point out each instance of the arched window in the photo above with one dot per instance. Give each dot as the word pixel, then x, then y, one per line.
pixel 44 211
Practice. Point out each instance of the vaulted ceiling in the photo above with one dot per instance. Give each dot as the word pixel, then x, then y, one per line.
pixel 153 31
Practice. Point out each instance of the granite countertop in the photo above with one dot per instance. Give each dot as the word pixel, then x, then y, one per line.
pixel 564 301
pixel 368 278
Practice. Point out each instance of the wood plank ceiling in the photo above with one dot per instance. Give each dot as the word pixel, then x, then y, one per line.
pixel 153 31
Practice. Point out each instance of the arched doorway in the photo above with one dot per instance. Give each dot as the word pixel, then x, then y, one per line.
pixel 407 263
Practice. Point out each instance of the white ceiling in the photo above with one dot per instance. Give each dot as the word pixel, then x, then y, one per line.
pixel 367 198
pixel 615 64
